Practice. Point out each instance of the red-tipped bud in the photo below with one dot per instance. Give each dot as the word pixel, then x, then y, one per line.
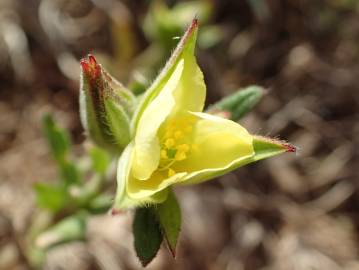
pixel 106 107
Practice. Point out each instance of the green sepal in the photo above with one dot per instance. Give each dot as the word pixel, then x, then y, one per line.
pixel 267 147
pixel 118 122
pixel 147 234
pixel 239 103
pixel 170 218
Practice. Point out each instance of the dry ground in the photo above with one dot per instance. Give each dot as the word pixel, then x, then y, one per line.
pixel 295 212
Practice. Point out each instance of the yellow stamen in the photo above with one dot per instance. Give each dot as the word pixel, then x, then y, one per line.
pixel 180 155
pixel 183 148
pixel 171 172
pixel 164 154
pixel 169 143
pixel 174 148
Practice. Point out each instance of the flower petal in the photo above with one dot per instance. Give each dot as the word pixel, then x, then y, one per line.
pixel 147 148
pixel 123 170
pixel 159 181
pixel 122 199
pixel 191 91
pixel 220 145
pixel 185 47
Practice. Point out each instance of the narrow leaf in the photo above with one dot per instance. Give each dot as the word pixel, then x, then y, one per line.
pixel 100 204
pixel 100 160
pixel 50 197
pixel 169 214
pixel 57 138
pixel 59 143
pixel 147 234
pixel 239 103
pixel 69 172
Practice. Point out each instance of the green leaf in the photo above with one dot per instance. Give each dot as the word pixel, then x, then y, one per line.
pixel 147 234
pixel 59 143
pixel 163 23
pixel 100 160
pixel 169 215
pixel 69 229
pixel 69 172
pixel 57 138
pixel 84 193
pixel 100 204
pixel 50 197
pixel 239 103
pixel 210 36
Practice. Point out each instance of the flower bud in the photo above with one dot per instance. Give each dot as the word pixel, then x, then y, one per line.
pixel 106 107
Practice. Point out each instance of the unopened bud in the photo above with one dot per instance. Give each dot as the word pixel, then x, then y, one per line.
pixel 106 107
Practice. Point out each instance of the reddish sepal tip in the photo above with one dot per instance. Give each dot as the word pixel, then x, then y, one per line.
pixel 84 64
pixel 90 67
pixel 92 59
pixel 290 148
pixel 173 252
pixel 193 26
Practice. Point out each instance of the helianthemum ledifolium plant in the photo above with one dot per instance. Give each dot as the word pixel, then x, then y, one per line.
pixel 163 139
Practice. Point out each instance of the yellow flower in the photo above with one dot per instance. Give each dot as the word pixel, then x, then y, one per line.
pixel 174 142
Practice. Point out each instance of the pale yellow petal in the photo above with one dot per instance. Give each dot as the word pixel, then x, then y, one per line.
pixel 122 200
pixel 123 170
pixel 186 47
pixel 220 146
pixel 159 181
pixel 147 148
pixel 190 93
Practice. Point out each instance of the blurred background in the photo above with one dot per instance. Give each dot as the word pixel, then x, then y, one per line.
pixel 291 212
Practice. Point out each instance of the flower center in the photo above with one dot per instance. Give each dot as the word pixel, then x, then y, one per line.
pixel 175 144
